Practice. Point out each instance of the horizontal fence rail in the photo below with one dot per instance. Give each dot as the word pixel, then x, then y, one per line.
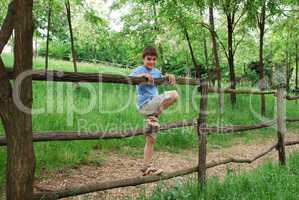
pixel 101 186
pixel 292 120
pixel 39 137
pixel 292 97
pixel 240 91
pixel 62 76
pixel 69 136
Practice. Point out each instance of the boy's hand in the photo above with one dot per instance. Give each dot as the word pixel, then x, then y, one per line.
pixel 148 77
pixel 170 78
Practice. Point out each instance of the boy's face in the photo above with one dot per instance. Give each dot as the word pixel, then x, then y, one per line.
pixel 150 61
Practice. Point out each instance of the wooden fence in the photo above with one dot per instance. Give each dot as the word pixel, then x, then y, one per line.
pixel 202 130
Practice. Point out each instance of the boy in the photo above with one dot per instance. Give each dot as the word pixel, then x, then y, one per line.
pixel 150 103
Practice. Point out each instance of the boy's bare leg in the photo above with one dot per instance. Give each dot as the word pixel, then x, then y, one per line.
pixel 150 140
pixel 168 102
pixel 149 149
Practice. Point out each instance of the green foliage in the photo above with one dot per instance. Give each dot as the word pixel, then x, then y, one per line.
pixel 279 78
pixel 254 71
pixel 58 50
pixel 58 26
pixel 3 10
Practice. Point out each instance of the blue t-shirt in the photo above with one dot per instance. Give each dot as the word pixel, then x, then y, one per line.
pixel 145 92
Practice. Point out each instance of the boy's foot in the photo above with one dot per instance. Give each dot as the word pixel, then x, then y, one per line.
pixel 153 121
pixel 150 170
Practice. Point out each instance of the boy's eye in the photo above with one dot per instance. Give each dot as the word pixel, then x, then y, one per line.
pixel 151 59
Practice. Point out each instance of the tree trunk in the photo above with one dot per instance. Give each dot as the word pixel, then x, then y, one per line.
pixel 297 60
pixel 205 51
pixel 48 34
pixel 69 19
pixel 287 65
pixel 161 53
pixel 232 76
pixel 262 82
pixel 281 124
pixel 202 138
pixel 157 29
pixel 196 66
pixel 216 58
pixel 271 66
pixel 17 122
pixel 206 55
pixel 35 47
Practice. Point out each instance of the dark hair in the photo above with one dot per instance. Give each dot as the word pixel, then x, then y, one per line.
pixel 149 51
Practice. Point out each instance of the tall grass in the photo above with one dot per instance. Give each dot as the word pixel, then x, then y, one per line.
pixel 269 181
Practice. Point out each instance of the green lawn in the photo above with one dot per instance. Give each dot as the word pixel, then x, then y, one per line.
pixel 269 181
pixel 114 109
pixel 39 63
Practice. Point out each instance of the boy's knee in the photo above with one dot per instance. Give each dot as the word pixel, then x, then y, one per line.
pixel 150 139
pixel 175 95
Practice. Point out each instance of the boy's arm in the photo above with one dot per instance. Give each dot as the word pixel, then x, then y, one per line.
pixel 170 78
pixel 135 73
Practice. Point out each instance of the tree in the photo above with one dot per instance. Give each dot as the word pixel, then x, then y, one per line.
pixel 48 33
pixel 261 20
pixel 177 13
pixel 297 60
pixel 158 32
pixel 258 12
pixel 231 8
pixel 69 19
pixel 284 39
pixel 215 54
pixel 18 123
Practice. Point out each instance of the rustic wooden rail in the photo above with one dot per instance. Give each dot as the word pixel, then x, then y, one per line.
pixel 67 136
pixel 292 97
pixel 292 120
pixel 39 137
pixel 101 186
pixel 62 76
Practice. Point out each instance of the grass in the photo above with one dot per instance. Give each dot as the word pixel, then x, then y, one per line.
pixel 39 63
pixel 62 107
pixel 269 181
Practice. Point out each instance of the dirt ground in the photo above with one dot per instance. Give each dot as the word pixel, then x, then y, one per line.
pixel 120 167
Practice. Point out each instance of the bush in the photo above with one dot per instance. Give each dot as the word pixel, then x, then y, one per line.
pixel 58 50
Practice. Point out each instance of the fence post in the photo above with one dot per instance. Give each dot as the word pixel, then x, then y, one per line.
pixel 202 140
pixel 281 124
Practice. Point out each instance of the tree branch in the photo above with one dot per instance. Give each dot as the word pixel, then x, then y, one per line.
pixel 223 46
pixel 238 43
pixel 7 27
pixel 5 86
pixel 238 20
pixel 207 26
